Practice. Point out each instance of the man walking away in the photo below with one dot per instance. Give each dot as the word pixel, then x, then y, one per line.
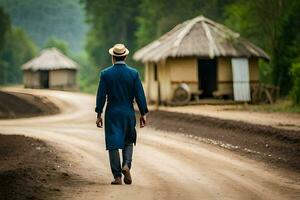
pixel 120 85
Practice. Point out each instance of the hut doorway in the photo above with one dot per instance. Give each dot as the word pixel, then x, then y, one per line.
pixel 44 79
pixel 207 76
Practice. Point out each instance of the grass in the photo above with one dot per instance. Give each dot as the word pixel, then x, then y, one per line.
pixel 92 89
pixel 282 105
pixel 17 85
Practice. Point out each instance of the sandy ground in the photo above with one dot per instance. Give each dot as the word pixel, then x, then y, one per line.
pixel 280 120
pixel 165 165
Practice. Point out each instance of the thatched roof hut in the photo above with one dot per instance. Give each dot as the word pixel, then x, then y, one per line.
pixel 200 37
pixel 51 69
pixel 50 59
pixel 191 52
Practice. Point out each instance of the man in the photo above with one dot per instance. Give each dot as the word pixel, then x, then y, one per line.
pixel 120 85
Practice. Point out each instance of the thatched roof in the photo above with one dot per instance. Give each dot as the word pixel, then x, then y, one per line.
pixel 50 59
pixel 199 37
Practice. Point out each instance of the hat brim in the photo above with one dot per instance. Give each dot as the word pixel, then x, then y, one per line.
pixel 111 52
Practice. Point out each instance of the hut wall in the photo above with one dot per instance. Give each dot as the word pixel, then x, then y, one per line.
pixel 170 73
pixel 183 70
pixel 146 81
pixel 151 85
pixel 224 76
pixel 253 71
pixel 164 81
pixel 62 79
pixel 31 79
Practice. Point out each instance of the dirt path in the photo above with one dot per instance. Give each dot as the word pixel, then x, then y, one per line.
pixel 275 147
pixel 165 165
pixel 280 120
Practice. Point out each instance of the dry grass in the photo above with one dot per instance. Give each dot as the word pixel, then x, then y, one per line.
pixel 282 105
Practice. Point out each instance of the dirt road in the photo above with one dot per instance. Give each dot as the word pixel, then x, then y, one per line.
pixel 289 121
pixel 165 165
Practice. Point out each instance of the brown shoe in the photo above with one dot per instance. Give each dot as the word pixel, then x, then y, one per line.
pixel 117 181
pixel 127 176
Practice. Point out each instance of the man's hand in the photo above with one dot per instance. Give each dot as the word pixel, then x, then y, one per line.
pixel 99 122
pixel 143 121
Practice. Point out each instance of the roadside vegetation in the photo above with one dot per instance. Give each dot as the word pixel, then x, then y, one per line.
pixel 283 105
pixel 295 92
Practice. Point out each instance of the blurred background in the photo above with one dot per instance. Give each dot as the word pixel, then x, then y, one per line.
pixel 85 29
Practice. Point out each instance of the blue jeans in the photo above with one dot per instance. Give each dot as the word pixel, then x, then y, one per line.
pixel 114 159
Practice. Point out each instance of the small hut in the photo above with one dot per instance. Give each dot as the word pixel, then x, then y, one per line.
pixel 51 69
pixel 200 58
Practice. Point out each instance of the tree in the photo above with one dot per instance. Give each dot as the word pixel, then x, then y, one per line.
pixel 5 27
pixel 295 92
pixel 17 50
pixel 44 18
pixel 157 17
pixel 272 25
pixel 87 75
pixel 111 22
pixel 59 44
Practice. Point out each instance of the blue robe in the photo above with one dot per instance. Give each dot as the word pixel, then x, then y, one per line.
pixel 120 85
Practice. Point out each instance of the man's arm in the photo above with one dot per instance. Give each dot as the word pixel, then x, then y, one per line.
pixel 140 100
pixel 100 101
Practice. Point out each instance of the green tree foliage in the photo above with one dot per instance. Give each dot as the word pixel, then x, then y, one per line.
pixel 157 17
pixel 87 75
pixel 111 22
pixel 17 50
pixel 62 45
pixel 295 92
pixel 5 26
pixel 44 18
pixel 273 25
pixel 138 22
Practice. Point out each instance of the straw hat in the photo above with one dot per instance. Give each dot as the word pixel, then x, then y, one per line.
pixel 118 50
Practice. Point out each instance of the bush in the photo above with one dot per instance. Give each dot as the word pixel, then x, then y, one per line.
pixel 295 92
pixel 88 74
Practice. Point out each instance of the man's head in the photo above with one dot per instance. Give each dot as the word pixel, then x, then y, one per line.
pixel 118 52
pixel 118 58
